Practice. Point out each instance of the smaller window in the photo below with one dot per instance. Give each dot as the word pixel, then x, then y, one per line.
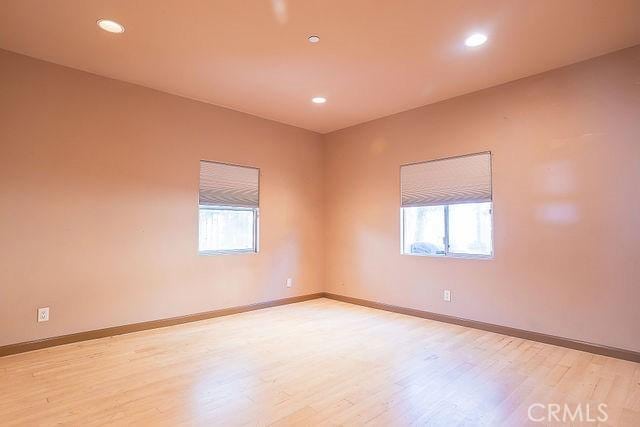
pixel 227 229
pixel 228 209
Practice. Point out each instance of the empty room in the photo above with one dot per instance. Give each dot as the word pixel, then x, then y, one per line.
pixel 338 213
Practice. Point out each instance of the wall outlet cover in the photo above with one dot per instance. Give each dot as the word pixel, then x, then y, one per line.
pixel 447 295
pixel 43 314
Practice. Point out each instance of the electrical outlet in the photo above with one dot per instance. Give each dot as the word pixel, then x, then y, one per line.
pixel 447 295
pixel 43 314
pixel 289 282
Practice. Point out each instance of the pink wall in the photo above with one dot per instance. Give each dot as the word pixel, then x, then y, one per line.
pixel 566 177
pixel 99 183
pixel 98 203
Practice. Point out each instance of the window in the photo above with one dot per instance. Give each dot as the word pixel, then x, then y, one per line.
pixel 228 204
pixel 463 229
pixel 227 229
pixel 447 207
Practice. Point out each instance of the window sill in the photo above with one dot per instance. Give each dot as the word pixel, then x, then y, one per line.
pixel 228 252
pixel 454 256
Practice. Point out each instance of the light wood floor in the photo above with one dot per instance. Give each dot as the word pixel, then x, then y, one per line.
pixel 311 363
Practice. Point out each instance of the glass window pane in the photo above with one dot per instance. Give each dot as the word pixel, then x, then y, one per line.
pixel 226 229
pixel 423 229
pixel 470 229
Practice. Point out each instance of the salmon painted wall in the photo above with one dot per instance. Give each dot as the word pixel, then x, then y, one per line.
pixel 566 182
pixel 98 203
pixel 99 182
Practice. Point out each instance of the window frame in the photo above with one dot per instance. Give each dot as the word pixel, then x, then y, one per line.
pixel 447 252
pixel 256 229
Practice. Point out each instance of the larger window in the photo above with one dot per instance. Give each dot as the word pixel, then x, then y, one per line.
pixel 447 207
pixel 228 205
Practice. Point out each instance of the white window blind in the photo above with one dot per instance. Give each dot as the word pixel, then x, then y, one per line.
pixel 228 185
pixel 464 179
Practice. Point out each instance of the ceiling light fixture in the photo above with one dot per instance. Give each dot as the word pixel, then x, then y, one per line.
pixel 475 40
pixel 111 26
pixel 319 100
pixel 313 39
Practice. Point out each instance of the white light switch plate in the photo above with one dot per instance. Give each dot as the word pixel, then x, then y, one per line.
pixel 289 282
pixel 43 314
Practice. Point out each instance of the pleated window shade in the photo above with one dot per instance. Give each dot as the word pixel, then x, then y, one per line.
pixel 228 185
pixel 464 179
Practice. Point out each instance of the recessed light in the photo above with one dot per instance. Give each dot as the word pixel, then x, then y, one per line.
pixel 111 26
pixel 475 40
pixel 313 39
pixel 319 100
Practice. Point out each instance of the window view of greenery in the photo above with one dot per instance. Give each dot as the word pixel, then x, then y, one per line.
pixel 463 229
pixel 227 229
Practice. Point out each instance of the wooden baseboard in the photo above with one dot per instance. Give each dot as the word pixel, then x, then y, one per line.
pixel 135 327
pixel 504 330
